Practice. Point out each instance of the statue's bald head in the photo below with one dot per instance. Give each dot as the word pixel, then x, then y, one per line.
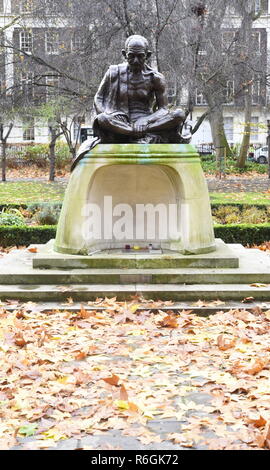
pixel 136 51
pixel 137 41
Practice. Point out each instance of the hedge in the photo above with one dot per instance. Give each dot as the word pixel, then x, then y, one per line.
pixel 246 234
pixel 20 236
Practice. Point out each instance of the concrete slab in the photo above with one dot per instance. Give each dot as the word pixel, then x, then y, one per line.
pixel 19 280
pixel 223 257
pixel 85 292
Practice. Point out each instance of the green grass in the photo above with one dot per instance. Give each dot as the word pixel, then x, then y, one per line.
pixel 210 166
pixel 240 198
pixel 29 192
pixel 26 192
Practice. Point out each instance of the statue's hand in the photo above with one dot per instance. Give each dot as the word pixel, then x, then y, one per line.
pixel 140 126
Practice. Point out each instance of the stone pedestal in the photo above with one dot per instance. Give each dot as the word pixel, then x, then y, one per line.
pixel 137 194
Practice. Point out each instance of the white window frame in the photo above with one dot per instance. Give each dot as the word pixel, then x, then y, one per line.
pixel 52 90
pixel 26 41
pixel 228 94
pixel 229 129
pixel 29 131
pixel 200 99
pixel 232 43
pixel 257 50
pixel 254 128
pixel 256 97
pixel 76 38
pixel 52 44
pixel 27 86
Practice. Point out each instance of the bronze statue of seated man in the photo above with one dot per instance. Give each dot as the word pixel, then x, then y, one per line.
pixel 124 104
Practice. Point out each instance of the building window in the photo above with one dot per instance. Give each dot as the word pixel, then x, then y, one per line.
pixel 254 128
pixel 52 86
pixel 256 41
pixel 228 41
pixel 171 90
pixel 202 50
pixel 256 91
pixel 261 5
pixel 229 92
pixel 27 86
pixel 29 130
pixel 26 42
pixel 228 128
pixel 52 43
pixel 200 99
pixel 77 43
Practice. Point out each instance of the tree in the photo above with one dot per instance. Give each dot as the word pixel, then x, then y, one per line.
pixel 72 50
pixel 4 135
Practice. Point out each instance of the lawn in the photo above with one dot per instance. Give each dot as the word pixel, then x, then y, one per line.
pixel 240 198
pixel 27 192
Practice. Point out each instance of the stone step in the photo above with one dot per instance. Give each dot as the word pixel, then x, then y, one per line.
pixel 199 308
pixel 223 257
pixel 186 276
pixel 86 292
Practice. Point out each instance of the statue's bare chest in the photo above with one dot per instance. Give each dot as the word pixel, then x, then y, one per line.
pixel 139 87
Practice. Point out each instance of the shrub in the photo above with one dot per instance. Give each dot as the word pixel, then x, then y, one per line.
pixel 39 154
pixel 253 215
pixel 245 234
pixel 63 156
pixel 19 236
pixel 11 217
pixel 49 215
pixel 226 214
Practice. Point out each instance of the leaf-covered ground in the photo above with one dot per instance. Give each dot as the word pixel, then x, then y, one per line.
pixel 113 366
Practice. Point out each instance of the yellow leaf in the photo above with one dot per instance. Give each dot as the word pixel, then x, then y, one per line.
pixel 122 404
pixel 137 332
pixel 63 380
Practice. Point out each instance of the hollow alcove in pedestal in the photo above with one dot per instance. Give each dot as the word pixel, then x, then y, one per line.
pixel 137 194
pixel 134 204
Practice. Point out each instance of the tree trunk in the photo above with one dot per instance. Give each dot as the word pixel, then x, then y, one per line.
pixel 219 138
pixel 4 160
pixel 241 161
pixel 52 159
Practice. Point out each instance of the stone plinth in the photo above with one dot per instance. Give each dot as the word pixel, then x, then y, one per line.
pixel 114 186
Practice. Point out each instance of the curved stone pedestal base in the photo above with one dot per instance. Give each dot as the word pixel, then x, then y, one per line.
pixel 137 194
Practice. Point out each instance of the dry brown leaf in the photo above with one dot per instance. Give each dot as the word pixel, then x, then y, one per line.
pixel 123 393
pixel 256 366
pixel 258 284
pixel 113 380
pixel 267 314
pixel 169 321
pixel 244 315
pixel 20 340
pixel 248 300
pixel 225 343
pixel 263 440
pixel 32 250
pixel 257 422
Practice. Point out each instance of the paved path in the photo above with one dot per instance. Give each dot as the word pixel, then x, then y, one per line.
pixel 228 184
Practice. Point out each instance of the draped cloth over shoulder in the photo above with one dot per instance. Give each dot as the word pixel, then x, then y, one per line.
pixel 114 99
